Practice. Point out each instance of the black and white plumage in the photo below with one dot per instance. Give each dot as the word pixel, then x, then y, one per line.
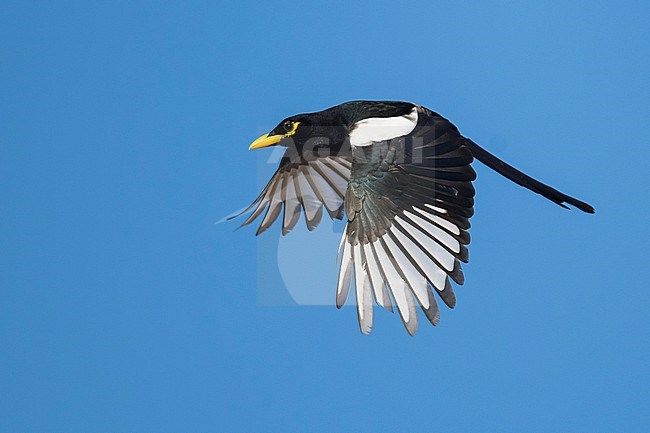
pixel 402 175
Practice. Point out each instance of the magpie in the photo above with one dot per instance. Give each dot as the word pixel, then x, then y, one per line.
pixel 401 175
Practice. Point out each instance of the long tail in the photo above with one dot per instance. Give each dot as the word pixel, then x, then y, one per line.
pixel 524 180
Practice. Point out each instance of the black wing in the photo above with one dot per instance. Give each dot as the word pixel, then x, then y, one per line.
pixel 408 204
pixel 303 182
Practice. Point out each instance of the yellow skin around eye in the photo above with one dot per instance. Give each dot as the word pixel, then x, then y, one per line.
pixel 269 140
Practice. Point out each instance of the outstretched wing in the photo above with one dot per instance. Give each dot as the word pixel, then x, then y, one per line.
pixel 408 204
pixel 307 182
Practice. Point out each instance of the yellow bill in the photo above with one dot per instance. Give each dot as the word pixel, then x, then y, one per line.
pixel 264 141
pixel 269 140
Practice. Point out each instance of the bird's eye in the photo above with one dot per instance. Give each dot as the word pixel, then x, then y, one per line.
pixel 288 126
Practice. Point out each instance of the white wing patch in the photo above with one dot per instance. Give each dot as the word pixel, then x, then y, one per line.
pixel 345 272
pixel 376 129
pixel 409 261
pixel 442 222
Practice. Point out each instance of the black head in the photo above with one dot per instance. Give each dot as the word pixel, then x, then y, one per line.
pixel 310 130
pixel 326 131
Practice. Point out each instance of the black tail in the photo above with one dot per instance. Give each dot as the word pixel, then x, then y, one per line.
pixel 524 180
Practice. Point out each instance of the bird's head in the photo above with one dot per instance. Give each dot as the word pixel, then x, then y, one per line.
pixel 287 129
pixel 316 132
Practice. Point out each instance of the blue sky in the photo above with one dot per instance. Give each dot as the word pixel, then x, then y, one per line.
pixel 123 138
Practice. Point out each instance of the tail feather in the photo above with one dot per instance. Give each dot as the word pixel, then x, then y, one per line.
pixel 524 180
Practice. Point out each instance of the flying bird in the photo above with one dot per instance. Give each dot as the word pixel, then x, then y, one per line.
pixel 401 174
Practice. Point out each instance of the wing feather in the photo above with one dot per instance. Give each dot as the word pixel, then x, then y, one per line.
pixel 408 202
pixel 301 185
